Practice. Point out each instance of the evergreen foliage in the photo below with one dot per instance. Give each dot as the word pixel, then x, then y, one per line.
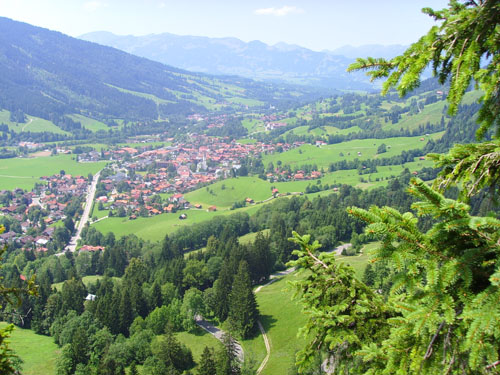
pixel 207 362
pixel 442 312
pixel 243 313
pixel 9 362
pixel 227 357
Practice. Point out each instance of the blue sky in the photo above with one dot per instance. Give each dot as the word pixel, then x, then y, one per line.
pixel 315 24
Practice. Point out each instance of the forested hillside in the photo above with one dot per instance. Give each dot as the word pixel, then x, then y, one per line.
pixel 47 74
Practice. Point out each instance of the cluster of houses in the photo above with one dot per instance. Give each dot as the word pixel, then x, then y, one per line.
pixel 285 175
pixel 38 211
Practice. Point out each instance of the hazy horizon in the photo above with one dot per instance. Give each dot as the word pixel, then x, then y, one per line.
pixel 316 25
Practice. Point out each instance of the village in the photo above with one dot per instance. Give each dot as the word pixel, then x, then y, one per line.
pixel 137 182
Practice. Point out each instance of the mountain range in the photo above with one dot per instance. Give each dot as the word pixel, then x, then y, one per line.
pixel 48 74
pixel 255 59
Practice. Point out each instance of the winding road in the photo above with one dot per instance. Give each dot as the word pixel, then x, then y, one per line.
pixel 218 334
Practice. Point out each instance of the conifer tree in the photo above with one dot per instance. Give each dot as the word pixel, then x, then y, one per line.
pixel 227 362
pixel 207 362
pixel 441 316
pixel 222 288
pixel 156 296
pixel 442 313
pixel 126 314
pixel 464 47
pixel 243 313
pixel 133 369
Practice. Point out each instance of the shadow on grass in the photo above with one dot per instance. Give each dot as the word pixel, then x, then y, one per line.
pixel 268 321
pixel 199 332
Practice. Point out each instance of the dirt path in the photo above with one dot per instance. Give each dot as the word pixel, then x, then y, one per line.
pixel 274 277
pixel 25 125
pixel 268 347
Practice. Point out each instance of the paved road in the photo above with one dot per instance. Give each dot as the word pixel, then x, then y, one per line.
pixel 338 250
pixel 218 333
pixel 86 212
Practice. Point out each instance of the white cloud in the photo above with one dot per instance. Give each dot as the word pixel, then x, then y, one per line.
pixel 280 12
pixel 162 5
pixel 92 6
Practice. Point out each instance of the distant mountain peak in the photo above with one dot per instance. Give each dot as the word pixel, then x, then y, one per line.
pixel 231 56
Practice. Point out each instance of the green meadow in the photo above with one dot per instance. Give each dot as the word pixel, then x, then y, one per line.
pixel 38 352
pixel 281 317
pixel 95 146
pixel 323 130
pixel 431 113
pixel 24 173
pixel 32 124
pixel 156 227
pixel 87 280
pixel 224 193
pixel 196 341
pixel 324 155
pixel 90 123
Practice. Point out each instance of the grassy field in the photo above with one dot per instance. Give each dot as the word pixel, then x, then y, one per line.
pixel 323 156
pixel 99 214
pixel 33 124
pixel 323 130
pixel 90 123
pixel 358 262
pixel 224 193
pixel 250 237
pixel 87 280
pixel 155 228
pixel 431 113
pixel 95 146
pixel 25 172
pixel 196 341
pixel 281 318
pixel 41 361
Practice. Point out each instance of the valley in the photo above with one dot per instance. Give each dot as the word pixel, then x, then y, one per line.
pixel 325 227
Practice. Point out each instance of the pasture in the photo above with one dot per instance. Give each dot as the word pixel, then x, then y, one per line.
pixel 323 130
pixel 38 352
pixel 90 123
pixel 224 193
pixel 32 124
pixel 24 173
pixel 156 227
pixel 362 149
pixel 196 341
pixel 281 317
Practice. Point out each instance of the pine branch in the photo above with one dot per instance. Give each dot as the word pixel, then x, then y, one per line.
pixel 494 364
pixel 428 353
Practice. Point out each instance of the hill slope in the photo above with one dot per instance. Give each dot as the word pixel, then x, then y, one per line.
pixel 46 74
pixel 232 56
